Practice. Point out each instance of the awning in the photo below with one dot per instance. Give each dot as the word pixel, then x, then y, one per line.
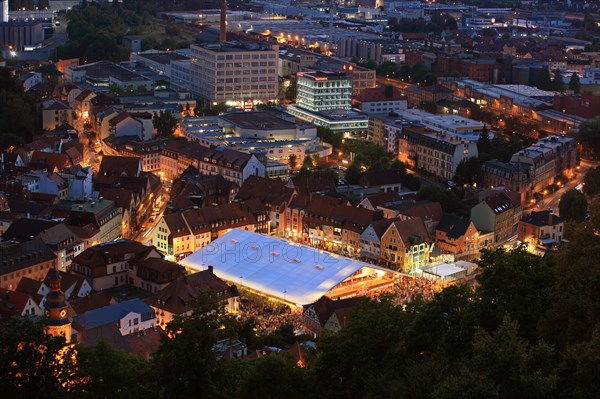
pixel 548 241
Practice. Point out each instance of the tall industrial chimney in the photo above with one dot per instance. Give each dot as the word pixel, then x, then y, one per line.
pixel 223 30
pixel 5 11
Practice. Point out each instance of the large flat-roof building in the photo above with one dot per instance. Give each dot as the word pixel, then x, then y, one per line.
pixel 286 271
pixel 277 133
pixel 235 73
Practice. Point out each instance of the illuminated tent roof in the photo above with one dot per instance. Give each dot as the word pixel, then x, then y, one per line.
pixel 275 267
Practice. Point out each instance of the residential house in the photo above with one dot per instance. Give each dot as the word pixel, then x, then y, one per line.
pixel 434 152
pixel 100 213
pixel 321 183
pixel 64 243
pixel 328 315
pixel 456 235
pixel 405 245
pixel 176 298
pixel 110 264
pixel 55 113
pixel 370 239
pixel 499 214
pixel 127 125
pixel 17 304
pixel 336 227
pixel 430 212
pixel 30 259
pixel 154 274
pixel 194 189
pixel 147 150
pixel 182 233
pixel 89 302
pixel 128 326
pixel 113 167
pixel 381 199
pixel 291 224
pixel 541 228
pixel 235 166
pixel 385 179
pixel 273 193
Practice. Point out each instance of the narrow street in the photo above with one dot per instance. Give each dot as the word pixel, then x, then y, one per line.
pixel 552 200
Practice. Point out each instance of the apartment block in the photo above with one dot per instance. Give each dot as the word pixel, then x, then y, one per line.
pixel 235 73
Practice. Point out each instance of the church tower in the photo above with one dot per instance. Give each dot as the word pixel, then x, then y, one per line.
pixel 58 322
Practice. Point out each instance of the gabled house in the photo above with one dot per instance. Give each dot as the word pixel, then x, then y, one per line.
pixel 498 214
pixel 176 298
pixel 542 228
pixel 113 167
pixel 55 113
pixel 273 193
pixel 456 235
pixel 430 212
pixel 17 304
pixel 370 239
pixel 125 124
pixel 181 233
pixel 128 326
pixel 386 179
pixel 109 265
pixel 327 315
pixel 405 245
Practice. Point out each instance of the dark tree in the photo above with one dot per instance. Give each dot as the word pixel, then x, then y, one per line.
pixel 29 363
pixel 484 142
pixel 467 171
pixel 557 82
pixel 573 206
pixel 165 123
pixel 352 173
pixel 293 161
pixel 589 137
pixel 112 374
pixel 574 83
pixel 13 101
pixel 185 363
pixel 545 83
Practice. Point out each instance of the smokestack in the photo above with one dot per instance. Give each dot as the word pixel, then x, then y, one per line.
pixel 223 30
pixel 5 17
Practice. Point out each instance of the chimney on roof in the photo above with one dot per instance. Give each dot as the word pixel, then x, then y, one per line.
pixel 223 28
pixel 210 269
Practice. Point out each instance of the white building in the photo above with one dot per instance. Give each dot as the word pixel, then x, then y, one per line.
pixel 235 73
pixel 324 90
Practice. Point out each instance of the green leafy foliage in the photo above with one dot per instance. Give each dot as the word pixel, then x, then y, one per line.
pixel 13 101
pixel 165 123
pixel 448 199
pixel 589 137
pixel 573 205
pixel 28 361
pixel 95 33
pixel 468 171
pixel 574 83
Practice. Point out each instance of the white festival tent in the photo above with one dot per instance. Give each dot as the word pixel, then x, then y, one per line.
pixel 275 267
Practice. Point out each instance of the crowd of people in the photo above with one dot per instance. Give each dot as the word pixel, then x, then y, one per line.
pixel 268 315
pixel 406 289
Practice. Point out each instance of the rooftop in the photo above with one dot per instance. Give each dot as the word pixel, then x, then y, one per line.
pixel 278 268
pixel 266 120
